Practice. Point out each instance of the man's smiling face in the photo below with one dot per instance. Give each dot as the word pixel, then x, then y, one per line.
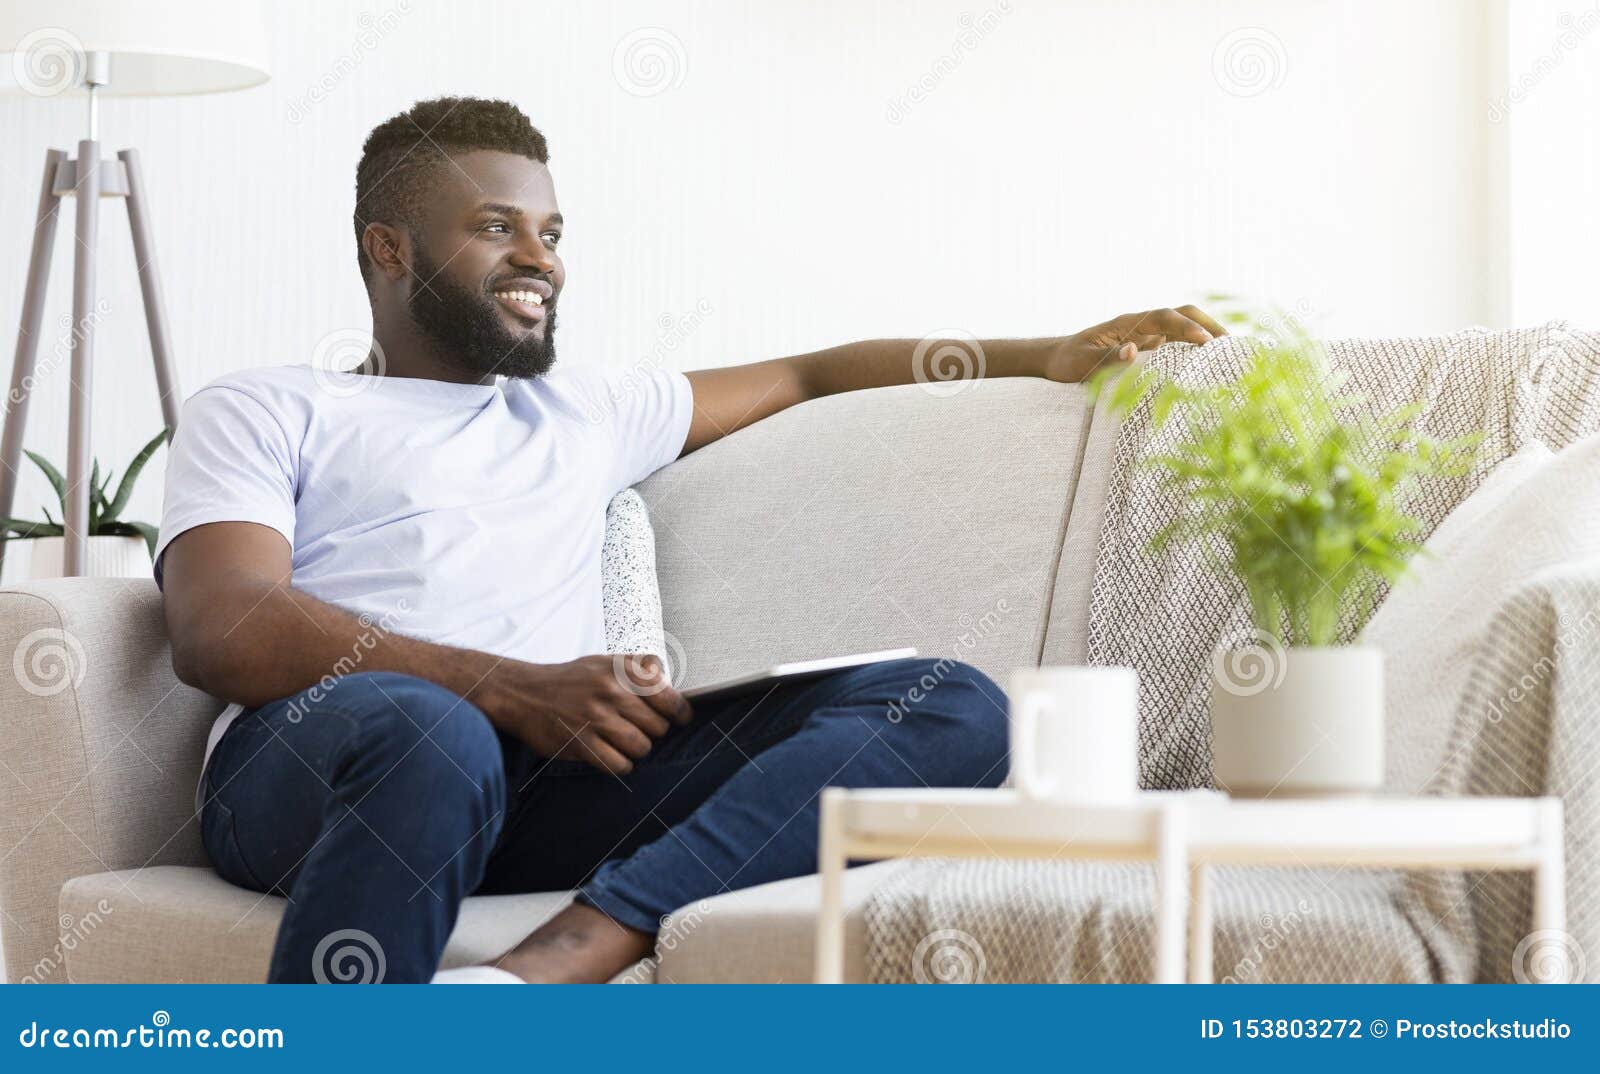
pixel 487 278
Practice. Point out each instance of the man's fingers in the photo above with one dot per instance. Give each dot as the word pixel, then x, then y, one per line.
pixel 1128 350
pixel 646 678
pixel 671 704
pixel 592 749
pixel 1175 325
pixel 624 734
pixel 1202 318
pixel 639 712
pixel 1169 323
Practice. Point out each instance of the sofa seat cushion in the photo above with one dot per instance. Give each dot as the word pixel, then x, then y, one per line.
pixel 186 924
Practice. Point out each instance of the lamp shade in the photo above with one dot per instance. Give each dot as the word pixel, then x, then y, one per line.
pixel 156 47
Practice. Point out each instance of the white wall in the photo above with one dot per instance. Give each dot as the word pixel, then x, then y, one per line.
pixel 1072 161
pixel 1551 114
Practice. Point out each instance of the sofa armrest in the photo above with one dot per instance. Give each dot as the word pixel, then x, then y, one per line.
pixel 1527 726
pixel 100 747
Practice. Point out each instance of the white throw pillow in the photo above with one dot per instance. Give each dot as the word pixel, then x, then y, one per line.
pixel 630 594
pixel 1536 509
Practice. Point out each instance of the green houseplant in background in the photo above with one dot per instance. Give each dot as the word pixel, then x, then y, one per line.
pixel 118 546
pixel 1294 489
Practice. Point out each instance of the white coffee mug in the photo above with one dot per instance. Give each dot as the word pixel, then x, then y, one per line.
pixel 1075 733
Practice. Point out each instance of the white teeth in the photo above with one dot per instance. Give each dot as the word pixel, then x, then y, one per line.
pixel 532 298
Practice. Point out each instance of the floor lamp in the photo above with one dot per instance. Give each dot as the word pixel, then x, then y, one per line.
pixel 99 48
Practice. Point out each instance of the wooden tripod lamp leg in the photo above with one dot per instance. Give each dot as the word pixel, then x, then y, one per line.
pixel 22 366
pixel 155 310
pixel 82 387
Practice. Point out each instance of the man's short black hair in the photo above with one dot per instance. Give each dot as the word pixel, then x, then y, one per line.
pixel 403 154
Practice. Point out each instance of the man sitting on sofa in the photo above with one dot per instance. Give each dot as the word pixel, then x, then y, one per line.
pixel 436 522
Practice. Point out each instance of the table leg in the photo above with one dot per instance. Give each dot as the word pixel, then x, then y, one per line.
pixel 830 915
pixel 1172 892
pixel 1200 925
pixel 1550 895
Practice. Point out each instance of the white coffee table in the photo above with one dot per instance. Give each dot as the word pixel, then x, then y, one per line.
pixel 1183 833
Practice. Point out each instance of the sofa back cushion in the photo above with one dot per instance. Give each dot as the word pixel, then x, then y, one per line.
pixel 870 520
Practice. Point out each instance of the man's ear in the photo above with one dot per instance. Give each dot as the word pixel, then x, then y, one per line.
pixel 389 250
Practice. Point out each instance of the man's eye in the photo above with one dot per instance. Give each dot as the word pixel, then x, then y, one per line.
pixel 490 227
pixel 551 237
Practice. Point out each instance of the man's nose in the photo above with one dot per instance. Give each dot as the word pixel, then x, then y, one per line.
pixel 533 253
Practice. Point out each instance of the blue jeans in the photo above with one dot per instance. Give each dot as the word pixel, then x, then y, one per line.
pixel 379 807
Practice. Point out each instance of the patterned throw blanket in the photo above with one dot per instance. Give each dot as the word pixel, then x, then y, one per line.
pixel 1066 921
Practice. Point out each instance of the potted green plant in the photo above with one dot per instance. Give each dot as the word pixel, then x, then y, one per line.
pixel 1296 491
pixel 118 548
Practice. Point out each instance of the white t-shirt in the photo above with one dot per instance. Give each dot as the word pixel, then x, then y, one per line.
pixel 465 514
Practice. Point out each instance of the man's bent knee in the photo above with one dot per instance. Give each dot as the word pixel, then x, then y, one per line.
pixel 425 734
pixel 958 714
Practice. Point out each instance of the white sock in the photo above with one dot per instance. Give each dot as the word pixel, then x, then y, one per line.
pixel 476 975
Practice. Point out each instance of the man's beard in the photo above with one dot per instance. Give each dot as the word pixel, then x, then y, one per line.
pixel 469 330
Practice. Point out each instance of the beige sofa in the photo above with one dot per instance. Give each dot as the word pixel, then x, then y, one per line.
pixel 964 525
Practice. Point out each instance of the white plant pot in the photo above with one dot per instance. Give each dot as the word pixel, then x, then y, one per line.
pixel 1297 722
pixel 44 557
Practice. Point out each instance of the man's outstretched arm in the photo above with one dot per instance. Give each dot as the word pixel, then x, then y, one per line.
pixel 730 398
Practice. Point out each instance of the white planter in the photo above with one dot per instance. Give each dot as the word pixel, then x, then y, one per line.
pixel 1297 722
pixel 109 557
